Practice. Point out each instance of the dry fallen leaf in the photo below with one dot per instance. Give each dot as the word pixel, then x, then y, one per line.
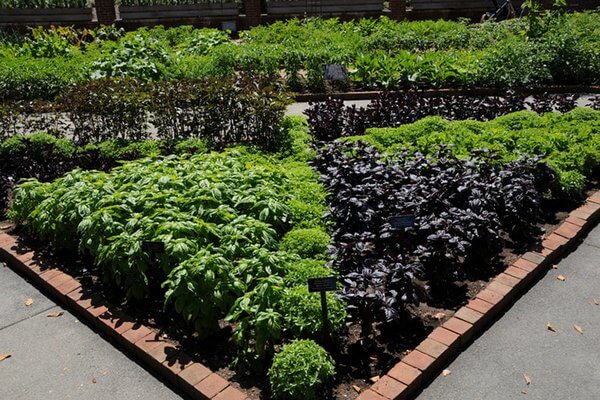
pixel 94 380
pixel 524 391
pixel 551 327
pixel 356 388
pixel 56 314
pixel 374 378
pixel 527 379
pixel 561 278
pixel 554 266
pixel 4 356
pixel 28 302
pixel 578 328
pixel 596 302
pixel 439 316
pixel 446 372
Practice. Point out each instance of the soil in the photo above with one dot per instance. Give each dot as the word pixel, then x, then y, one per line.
pixel 359 361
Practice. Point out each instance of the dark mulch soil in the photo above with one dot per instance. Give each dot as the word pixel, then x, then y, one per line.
pixel 359 361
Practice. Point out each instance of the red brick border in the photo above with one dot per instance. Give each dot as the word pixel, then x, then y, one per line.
pixel 400 383
pixel 155 350
pixel 445 342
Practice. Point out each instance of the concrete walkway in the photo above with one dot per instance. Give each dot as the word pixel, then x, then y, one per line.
pixel 562 365
pixel 61 358
pixel 299 108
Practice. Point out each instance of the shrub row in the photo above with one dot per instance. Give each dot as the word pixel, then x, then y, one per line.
pixel 381 53
pixel 331 119
pixel 246 109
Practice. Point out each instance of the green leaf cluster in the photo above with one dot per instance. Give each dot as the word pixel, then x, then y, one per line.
pixel 299 370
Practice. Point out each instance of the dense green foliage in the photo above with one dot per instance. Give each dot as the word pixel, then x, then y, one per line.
pixel 302 312
pixel 570 142
pixel 221 217
pixel 307 243
pixel 299 370
pixel 378 53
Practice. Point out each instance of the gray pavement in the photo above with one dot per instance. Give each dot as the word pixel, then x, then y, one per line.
pixel 563 365
pixel 62 358
pixel 299 108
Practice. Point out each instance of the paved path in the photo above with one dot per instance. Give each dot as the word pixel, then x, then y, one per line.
pixel 561 366
pixel 61 358
pixel 299 108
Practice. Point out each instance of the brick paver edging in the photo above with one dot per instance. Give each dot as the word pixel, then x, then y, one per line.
pixel 400 383
pixel 152 348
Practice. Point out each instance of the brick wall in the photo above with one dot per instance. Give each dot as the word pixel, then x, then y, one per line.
pixel 105 11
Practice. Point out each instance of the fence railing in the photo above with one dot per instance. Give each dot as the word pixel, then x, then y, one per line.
pixel 247 13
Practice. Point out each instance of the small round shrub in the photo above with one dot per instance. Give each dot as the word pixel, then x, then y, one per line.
pixel 301 312
pixel 299 370
pixel 307 243
pixel 298 272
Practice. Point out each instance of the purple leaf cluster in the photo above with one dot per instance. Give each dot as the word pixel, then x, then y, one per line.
pixel 465 211
pixel 331 119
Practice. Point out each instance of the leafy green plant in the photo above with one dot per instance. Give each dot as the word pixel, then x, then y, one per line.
pixel 299 271
pixel 307 243
pixel 301 312
pixel 299 370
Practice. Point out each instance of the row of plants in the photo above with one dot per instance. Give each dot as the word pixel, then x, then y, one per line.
pixel 553 48
pixel 331 119
pixel 465 212
pixel 569 143
pixel 45 157
pixel 243 109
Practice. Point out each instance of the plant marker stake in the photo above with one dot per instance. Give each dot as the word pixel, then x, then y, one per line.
pixel 323 285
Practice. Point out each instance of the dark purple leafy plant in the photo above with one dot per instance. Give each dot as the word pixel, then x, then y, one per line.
pixel 464 212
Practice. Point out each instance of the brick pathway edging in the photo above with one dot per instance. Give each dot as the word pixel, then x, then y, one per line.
pixel 401 382
pixel 155 350
pixel 446 341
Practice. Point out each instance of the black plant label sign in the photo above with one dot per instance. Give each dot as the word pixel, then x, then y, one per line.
pixel 322 284
pixel 336 72
pixel 402 221
pixel 153 247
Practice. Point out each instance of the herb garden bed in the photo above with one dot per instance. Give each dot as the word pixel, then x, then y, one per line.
pixel 553 49
pixel 242 232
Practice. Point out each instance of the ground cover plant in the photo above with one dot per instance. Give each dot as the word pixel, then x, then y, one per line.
pixel 381 53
